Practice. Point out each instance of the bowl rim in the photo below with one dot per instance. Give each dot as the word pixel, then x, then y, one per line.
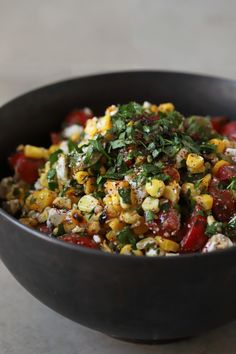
pixel 96 252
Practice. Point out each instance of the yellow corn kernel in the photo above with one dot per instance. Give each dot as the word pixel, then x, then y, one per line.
pixel 111 236
pixel 39 200
pixel 62 203
pixel 148 241
pixel 205 201
pixel 89 186
pixel 189 188
pixel 81 176
pixel 29 222
pixel 140 160
pixel 220 144
pixel 112 187
pixel 105 123
pixel 137 253
pixel 111 110
pixel 205 181
pixel 195 163
pixel 127 250
pixel 155 188
pixel 142 228
pixel 102 170
pixel 154 108
pixel 91 127
pixel 87 203
pixel 130 217
pixel 167 245
pixel 166 107
pixel 35 152
pixel 116 225
pixel 151 203
pixel 53 148
pixel 93 227
pixel 172 192
pixel 218 165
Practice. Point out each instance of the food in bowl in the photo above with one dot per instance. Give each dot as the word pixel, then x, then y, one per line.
pixel 140 180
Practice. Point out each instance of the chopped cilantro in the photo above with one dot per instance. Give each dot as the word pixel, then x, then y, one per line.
pixel 232 185
pixel 54 157
pixel 126 236
pixel 125 194
pixel 149 216
pixel 51 177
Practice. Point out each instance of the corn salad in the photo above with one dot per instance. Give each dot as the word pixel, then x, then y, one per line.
pixel 140 180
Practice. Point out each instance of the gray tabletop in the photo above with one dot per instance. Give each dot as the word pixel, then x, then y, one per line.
pixel 45 41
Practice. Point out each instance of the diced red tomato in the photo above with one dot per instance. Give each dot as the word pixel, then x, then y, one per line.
pixel 230 130
pixel 223 202
pixel 173 173
pixel 79 240
pixel 226 173
pixel 55 138
pixel 167 222
pixel 26 168
pixel 45 229
pixel 219 122
pixel 194 239
pixel 78 116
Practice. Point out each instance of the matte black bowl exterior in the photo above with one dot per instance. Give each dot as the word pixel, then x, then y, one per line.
pixel 136 298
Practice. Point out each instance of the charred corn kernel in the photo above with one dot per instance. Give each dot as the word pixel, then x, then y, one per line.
pixel 127 250
pixel 155 188
pixel 81 176
pixel 195 163
pixel 89 186
pixel 35 152
pixel 205 181
pixel 39 200
pixel 220 144
pixel 205 201
pixel 116 225
pixel 130 217
pixel 148 241
pixel 166 107
pixel 228 143
pixel 137 253
pixel 93 227
pixel 62 203
pixel 189 188
pixel 31 222
pixel 91 127
pixel 87 203
pixel 141 228
pixel 111 236
pixel 167 245
pixel 151 203
pixel 172 192
pixel 102 170
pixel 218 165
pixel 154 108
pixel 112 187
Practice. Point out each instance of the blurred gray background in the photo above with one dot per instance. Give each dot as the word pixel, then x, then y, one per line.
pixel 45 41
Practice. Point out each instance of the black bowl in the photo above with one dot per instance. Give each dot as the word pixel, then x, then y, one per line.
pixel 145 299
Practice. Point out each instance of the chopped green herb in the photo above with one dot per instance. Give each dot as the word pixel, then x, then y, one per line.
pixel 54 157
pixel 149 216
pixel 126 236
pixel 125 194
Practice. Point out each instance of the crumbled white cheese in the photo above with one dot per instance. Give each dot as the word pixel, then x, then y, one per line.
pixel 230 152
pixel 96 238
pixel 71 130
pixel 64 147
pixel 61 168
pixel 151 252
pixel 87 111
pixel 217 242
pixel 146 105
pixel 55 217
